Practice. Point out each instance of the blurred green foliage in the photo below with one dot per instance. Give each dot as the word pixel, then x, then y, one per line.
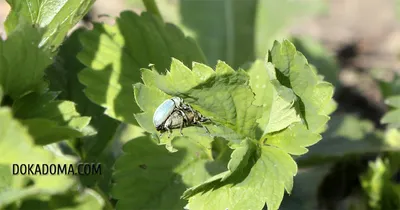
pixel 75 98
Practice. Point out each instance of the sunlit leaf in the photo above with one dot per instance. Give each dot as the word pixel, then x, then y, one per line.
pixel 46 131
pixel 14 135
pixel 114 55
pixel 320 57
pixel 377 183
pixel 262 118
pixel 271 174
pixel 148 176
pixel 49 120
pixel 311 94
pixel 222 95
pixel 278 110
pixel 78 200
pixel 22 70
pixel 58 17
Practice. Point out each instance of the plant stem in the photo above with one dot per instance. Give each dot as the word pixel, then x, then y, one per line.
pixel 108 205
pixel 151 7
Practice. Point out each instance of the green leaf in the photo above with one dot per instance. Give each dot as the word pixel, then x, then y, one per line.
pixel 5 178
pixel 99 147
pixel 58 17
pixel 46 131
pixel 63 78
pixel 278 110
pixel 242 106
pixel 44 105
pixel 222 95
pixel 49 120
pixel 149 177
pixel 226 32
pixel 377 183
pixel 393 116
pixel 239 160
pixel 22 70
pixel 294 139
pixel 238 163
pixel 391 137
pixel 388 88
pixel 273 166
pixel 320 57
pixel 87 199
pixel 106 153
pixel 312 95
pixel 114 55
pixel 14 135
pixel 293 97
pixel 393 101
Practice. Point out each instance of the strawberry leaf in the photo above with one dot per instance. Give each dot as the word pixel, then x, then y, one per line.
pixel 114 54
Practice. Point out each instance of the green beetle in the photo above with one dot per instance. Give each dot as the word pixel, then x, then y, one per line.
pixel 174 113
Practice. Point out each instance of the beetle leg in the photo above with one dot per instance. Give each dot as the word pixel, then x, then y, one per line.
pixel 170 132
pixel 183 115
pixel 204 119
pixel 205 128
pixel 180 130
pixel 186 120
pixel 193 112
pixel 191 109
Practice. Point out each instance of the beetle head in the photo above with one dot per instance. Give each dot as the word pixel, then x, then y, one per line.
pixel 178 101
pixel 160 127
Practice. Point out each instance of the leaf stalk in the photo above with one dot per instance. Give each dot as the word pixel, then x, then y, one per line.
pixel 151 7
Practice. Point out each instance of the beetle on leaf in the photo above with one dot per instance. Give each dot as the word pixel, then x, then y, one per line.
pixel 174 113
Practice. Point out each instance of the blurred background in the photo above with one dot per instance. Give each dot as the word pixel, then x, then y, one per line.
pixel 354 44
pixel 351 42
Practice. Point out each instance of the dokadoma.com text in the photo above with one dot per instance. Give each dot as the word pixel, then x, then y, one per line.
pixel 57 169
